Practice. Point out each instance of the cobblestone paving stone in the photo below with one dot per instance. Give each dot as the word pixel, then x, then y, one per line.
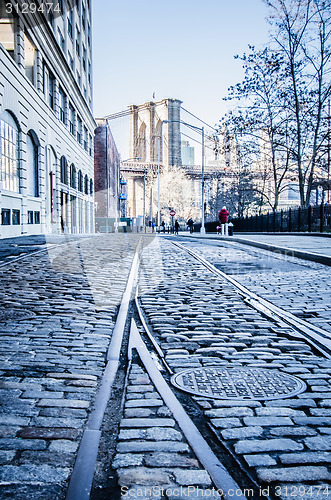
pixel 153 459
pixel 302 287
pixel 200 321
pixel 51 364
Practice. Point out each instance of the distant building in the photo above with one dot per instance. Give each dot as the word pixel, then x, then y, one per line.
pixel 106 172
pixel 187 153
pixel 46 122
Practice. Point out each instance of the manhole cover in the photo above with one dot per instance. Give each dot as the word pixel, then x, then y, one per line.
pixel 15 314
pixel 238 383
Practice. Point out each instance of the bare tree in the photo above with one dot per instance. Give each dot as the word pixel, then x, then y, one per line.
pixel 301 31
pixel 175 192
pixel 261 122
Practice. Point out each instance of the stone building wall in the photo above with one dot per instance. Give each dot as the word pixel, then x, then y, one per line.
pixel 45 98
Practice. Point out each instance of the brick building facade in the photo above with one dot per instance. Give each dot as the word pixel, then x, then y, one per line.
pixel 106 171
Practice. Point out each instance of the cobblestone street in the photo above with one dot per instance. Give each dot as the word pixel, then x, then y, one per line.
pixel 61 309
pixel 51 362
pixel 286 281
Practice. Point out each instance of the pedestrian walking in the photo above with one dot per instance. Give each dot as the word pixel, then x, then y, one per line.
pixel 176 226
pixel 163 226
pixel 190 224
pixel 223 216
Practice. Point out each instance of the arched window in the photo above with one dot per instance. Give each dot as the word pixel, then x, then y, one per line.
pixel 80 181
pixel 72 175
pixel 86 185
pixel 64 170
pixel 91 186
pixel 9 160
pixel 32 171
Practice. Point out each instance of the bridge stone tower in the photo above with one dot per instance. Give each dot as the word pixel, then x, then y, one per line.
pixel 152 140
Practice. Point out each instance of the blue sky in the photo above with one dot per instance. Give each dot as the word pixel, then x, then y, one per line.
pixel 181 49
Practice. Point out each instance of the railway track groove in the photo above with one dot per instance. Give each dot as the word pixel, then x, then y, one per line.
pixel 182 310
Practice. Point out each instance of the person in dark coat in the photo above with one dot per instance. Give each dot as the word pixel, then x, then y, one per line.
pixel 190 224
pixel 176 226
pixel 223 216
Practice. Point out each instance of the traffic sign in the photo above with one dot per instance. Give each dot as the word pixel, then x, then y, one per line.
pixel 172 213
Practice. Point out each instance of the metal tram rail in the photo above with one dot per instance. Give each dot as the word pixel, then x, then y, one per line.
pixel 27 255
pixel 142 341
pixel 317 337
pixel 81 481
pixel 82 477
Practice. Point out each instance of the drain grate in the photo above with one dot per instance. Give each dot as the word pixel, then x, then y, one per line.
pixel 238 383
pixel 7 314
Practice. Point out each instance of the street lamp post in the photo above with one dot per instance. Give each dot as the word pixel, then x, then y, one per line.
pixel 144 205
pixel 117 165
pixel 158 186
pixel 123 161
pixel 202 130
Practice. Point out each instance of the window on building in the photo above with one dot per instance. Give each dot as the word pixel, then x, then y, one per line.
pixel 89 34
pixel 91 186
pixel 86 184
pixel 80 181
pixel 71 119
pixel 79 80
pixel 61 39
pixel 71 61
pixel 70 30
pixel 84 58
pixel 62 105
pixel 5 217
pixel 77 41
pixel 90 145
pixel 37 217
pixel 30 58
pixel 30 217
pixel 63 170
pixel 7 32
pixel 79 129
pixel 85 139
pixel 9 160
pixel 51 89
pixel 83 16
pixel 50 17
pixel 89 73
pixel 72 176
pixel 32 171
pixel 15 217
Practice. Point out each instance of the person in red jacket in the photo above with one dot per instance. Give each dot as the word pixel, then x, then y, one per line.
pixel 223 218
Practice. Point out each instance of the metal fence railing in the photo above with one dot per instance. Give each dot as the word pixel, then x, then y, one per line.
pixel 311 219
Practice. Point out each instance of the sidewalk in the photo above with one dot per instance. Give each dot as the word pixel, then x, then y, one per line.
pixel 305 247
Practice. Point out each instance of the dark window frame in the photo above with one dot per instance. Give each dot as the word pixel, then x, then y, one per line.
pixel 16 217
pixel 37 217
pixel 5 217
pixel 80 181
pixel 62 101
pixel 64 170
pixel 73 176
pixel 51 90
pixel 30 216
